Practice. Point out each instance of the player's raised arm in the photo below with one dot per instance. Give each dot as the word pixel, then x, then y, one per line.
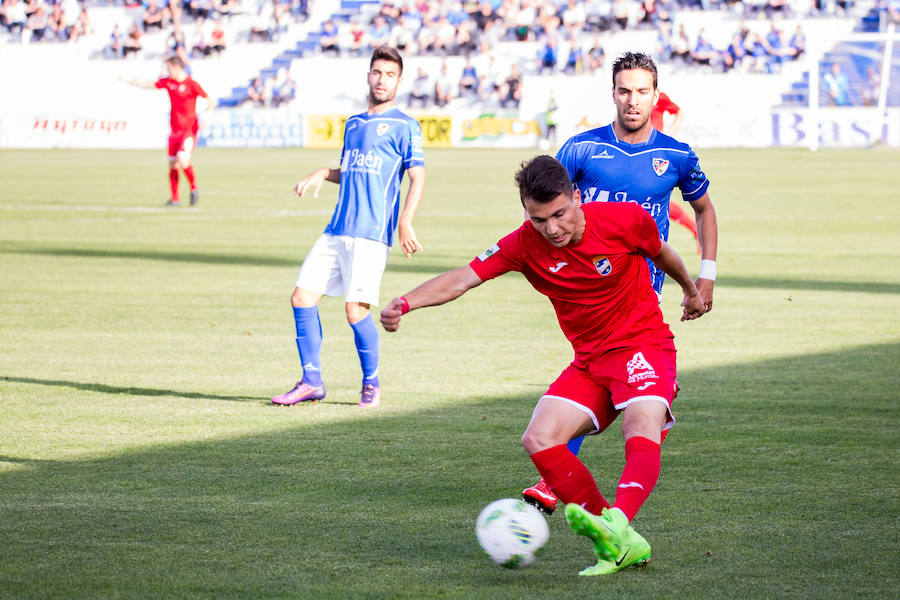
pixel 147 85
pixel 315 180
pixel 408 242
pixel 708 236
pixel 669 261
pixel 447 286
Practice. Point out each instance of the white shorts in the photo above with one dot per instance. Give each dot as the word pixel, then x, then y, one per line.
pixel 339 265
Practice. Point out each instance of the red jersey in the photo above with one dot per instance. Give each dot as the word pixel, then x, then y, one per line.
pixel 663 106
pixel 599 287
pixel 183 96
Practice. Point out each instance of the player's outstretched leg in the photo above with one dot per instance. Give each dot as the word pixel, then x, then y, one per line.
pixel 540 495
pixel 616 543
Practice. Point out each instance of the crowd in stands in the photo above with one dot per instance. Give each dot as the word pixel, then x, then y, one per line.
pixel 45 20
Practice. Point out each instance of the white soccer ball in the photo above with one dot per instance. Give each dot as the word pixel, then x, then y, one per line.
pixel 511 532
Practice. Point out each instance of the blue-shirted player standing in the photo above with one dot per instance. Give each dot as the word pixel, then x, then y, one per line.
pixel 349 259
pixel 630 161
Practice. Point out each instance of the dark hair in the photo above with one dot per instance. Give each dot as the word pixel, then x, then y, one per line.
pixel 174 59
pixel 635 60
pixel 386 53
pixel 542 179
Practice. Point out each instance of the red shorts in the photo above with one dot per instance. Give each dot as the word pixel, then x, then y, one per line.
pixel 180 141
pixel 633 375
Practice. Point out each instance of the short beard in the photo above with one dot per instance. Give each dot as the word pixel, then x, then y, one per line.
pixel 373 101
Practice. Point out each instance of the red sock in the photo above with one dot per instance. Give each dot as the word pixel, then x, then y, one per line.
pixel 640 474
pixel 569 479
pixel 678 214
pixel 173 183
pixel 189 173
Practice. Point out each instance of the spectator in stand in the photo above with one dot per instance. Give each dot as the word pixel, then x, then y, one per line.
pixel 132 44
pixel 873 87
pixel 379 33
pixel 56 23
pixel 285 88
pixel 465 38
pixel 512 88
pixel 15 17
pixel 177 45
pixel 780 6
pixel 83 25
pixel 70 11
pixel 758 52
pixel 524 20
pixel 443 87
pixel 256 92
pixel 468 80
pixel 357 40
pixel 681 46
pixel 226 8
pixel 217 42
pixel 574 15
pixel 649 15
pixel 665 11
pixel 599 15
pixel 329 40
pixel 798 42
pixel 37 25
pixel 116 43
pixel 837 86
pixel 200 9
pixel 154 16
pixel 596 58
pixel 403 33
pixel 621 13
pixel 575 61
pixel 733 56
pixel 703 53
pixel 199 46
pixel 173 10
pixel 548 56
pixel 445 36
pixel 419 91
pixel 264 25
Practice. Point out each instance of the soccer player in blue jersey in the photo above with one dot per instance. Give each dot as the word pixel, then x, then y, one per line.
pixel 349 259
pixel 630 161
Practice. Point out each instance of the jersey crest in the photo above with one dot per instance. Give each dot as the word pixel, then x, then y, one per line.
pixel 660 166
pixel 382 128
pixel 602 264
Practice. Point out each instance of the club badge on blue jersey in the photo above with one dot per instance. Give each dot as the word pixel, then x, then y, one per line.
pixel 660 165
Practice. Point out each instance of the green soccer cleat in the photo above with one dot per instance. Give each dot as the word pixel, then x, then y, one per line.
pixel 616 543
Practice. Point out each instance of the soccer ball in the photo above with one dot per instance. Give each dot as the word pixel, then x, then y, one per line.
pixel 511 532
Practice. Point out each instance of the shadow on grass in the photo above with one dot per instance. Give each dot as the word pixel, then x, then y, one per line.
pixel 867 287
pixel 122 390
pixel 765 458
pixel 412 266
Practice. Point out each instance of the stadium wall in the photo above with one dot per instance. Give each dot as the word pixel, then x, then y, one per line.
pixel 84 105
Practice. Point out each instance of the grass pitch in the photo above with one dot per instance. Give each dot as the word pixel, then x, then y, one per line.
pixel 140 457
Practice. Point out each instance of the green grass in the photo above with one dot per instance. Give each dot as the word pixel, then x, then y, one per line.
pixel 139 456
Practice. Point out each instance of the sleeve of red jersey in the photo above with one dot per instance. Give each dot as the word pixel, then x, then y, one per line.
pixel 644 233
pixel 500 258
pixel 160 83
pixel 200 91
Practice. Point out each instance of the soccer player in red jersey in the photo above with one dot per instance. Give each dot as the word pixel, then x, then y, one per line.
pixel 183 93
pixel 589 260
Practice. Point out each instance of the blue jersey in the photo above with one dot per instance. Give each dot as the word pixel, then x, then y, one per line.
pixel 605 169
pixel 378 149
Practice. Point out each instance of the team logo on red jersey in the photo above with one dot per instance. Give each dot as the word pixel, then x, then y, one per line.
pixel 660 165
pixel 602 264
pixel 382 128
pixel 639 369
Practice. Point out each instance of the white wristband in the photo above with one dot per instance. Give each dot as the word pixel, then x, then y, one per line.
pixel 707 270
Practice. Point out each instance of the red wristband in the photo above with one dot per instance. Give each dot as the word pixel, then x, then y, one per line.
pixel 404 305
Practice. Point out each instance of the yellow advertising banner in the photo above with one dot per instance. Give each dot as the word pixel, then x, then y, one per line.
pixel 327 131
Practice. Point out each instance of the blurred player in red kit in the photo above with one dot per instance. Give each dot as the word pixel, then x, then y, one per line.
pixel 663 107
pixel 590 261
pixel 183 93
